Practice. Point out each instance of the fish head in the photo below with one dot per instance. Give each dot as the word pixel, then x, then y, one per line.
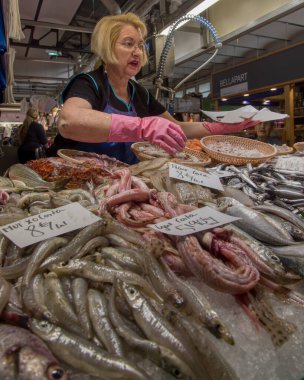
pixel 65 267
pixel 44 329
pixel 36 363
pixel 223 203
pixel 130 293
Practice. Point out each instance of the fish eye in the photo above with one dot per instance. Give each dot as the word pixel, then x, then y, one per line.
pixel 44 324
pixel 132 291
pixel 176 373
pixel 275 258
pixel 55 372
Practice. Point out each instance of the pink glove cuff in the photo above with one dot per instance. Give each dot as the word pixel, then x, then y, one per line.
pixel 223 128
pixel 124 129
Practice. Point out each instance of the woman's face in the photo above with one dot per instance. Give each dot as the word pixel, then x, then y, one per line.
pixel 129 50
pixel 263 131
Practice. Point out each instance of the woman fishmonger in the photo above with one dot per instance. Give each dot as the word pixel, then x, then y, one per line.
pixel 106 110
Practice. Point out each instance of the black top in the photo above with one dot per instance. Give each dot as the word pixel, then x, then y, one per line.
pixel 35 138
pixel 95 88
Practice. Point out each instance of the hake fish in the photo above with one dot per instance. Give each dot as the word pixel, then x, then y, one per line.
pixel 25 356
pixel 276 270
pixel 255 223
pixel 32 179
pixel 283 213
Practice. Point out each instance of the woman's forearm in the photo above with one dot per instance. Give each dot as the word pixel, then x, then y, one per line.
pixel 194 130
pixel 78 121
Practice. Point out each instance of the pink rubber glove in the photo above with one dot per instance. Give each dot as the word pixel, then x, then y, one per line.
pixel 222 128
pixel 156 130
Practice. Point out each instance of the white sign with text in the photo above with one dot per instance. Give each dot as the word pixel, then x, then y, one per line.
pixel 194 221
pixel 51 223
pixel 198 177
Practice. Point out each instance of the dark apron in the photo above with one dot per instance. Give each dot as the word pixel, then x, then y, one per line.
pixel 119 150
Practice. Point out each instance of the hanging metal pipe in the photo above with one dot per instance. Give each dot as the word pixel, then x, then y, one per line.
pixel 112 6
pixel 146 7
pixel 168 44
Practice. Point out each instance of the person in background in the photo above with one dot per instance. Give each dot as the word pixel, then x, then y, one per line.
pixel 105 110
pixel 263 132
pixel 32 137
pixel 42 120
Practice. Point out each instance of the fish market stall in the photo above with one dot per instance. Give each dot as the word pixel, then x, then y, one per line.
pixel 167 269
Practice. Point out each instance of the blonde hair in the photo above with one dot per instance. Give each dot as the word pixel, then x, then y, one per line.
pixel 106 32
pixel 33 113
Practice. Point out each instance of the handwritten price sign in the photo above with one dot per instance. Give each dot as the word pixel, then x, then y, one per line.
pixel 48 224
pixel 201 219
pixel 198 177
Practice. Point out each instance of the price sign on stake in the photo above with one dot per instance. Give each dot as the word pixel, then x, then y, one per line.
pixel 187 174
pixel 51 223
pixel 200 219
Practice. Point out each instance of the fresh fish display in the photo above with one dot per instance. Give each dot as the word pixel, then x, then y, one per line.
pixel 117 299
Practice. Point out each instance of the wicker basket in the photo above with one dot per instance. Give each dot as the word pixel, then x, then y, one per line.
pixel 267 150
pixel 70 154
pixel 135 147
pixel 299 147
pixel 285 151
pixel 204 160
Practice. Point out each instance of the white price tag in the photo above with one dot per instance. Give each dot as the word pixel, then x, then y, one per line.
pixel 198 177
pixel 51 223
pixel 194 221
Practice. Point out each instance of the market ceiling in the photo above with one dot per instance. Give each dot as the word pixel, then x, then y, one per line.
pixel 64 28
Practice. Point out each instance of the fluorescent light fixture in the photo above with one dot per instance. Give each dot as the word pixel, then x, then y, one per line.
pixel 54 53
pixel 246 95
pixel 224 99
pixel 273 89
pixel 195 11
pixel 10 107
pixel 245 102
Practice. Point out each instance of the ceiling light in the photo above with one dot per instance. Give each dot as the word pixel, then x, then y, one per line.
pixel 245 102
pixel 195 11
pixel 273 89
pixel 54 53
pixel 224 99
pixel 246 95
pixel 10 107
